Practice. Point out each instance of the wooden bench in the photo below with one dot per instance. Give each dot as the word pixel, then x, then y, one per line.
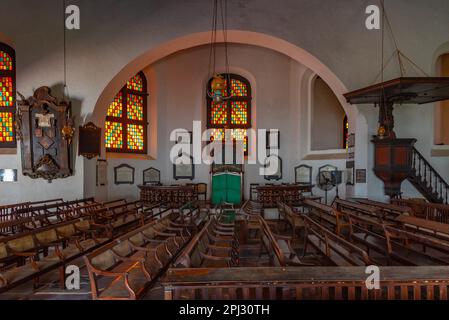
pixel 47 218
pixel 293 219
pixel 213 247
pixel 389 241
pixel 278 247
pixel 426 210
pixel 391 211
pixel 330 217
pixel 134 261
pixel 359 209
pixel 29 255
pixel 337 250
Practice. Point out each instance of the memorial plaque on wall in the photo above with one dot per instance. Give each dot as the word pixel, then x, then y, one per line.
pixel 45 129
pixel 303 174
pixel 89 145
pixel 184 169
pixel 360 176
pixel 102 172
pixel 152 176
pixel 124 174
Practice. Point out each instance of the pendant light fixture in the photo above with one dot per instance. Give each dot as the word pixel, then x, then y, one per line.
pixel 218 90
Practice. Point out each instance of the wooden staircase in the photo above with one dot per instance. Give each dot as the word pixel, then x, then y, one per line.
pixel 427 180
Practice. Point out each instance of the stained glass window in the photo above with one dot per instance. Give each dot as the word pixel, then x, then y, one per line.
pixel 135 137
pixel 116 107
pixel 135 83
pixel 114 135
pixel 234 113
pixel 126 121
pixel 5 61
pixel 7 97
pixel 135 107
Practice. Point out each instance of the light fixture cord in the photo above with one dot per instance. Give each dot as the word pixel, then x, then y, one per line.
pixel 65 88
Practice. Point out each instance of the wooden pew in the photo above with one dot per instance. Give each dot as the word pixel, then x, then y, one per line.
pixel 339 251
pixel 389 241
pixel 279 248
pixel 135 260
pixel 359 209
pixel 426 210
pixel 392 210
pixel 29 255
pixel 293 219
pixel 212 247
pixel 47 218
pixel 330 217
pixel 121 217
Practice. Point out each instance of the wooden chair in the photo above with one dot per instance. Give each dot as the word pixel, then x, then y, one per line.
pixel 201 190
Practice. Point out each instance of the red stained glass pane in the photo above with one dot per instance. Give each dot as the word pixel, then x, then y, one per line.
pixel 114 135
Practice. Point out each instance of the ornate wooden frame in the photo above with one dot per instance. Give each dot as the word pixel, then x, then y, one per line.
pixel 46 150
pixel 89 142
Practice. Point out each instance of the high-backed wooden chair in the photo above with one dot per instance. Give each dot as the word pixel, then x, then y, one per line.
pixel 201 190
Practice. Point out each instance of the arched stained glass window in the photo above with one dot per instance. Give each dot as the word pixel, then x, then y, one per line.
pixel 234 113
pixel 7 96
pixel 345 133
pixel 126 120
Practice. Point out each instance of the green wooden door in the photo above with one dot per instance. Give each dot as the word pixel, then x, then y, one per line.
pixel 226 187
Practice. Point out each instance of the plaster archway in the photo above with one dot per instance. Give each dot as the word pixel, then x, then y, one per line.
pixel 203 38
pixel 233 36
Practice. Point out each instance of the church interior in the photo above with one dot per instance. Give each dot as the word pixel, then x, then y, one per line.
pixel 224 150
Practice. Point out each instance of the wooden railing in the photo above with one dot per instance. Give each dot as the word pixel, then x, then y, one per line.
pixel 306 283
pixel 427 180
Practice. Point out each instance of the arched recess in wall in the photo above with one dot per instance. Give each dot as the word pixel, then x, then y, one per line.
pixel 233 36
pixel 329 121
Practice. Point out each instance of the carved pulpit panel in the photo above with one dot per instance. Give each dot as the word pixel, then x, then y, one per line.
pixel 45 130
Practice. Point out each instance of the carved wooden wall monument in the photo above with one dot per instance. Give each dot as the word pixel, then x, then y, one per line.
pixel 46 131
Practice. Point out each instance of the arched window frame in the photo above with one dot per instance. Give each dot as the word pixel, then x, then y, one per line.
pixel 9 109
pixel 229 102
pixel 125 121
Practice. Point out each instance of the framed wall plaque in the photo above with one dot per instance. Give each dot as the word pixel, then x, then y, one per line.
pixel 273 139
pixel 184 136
pixel 89 144
pixel 152 176
pixel 8 175
pixel 102 172
pixel 360 175
pixel 303 174
pixel 184 170
pixel 124 174
pixel 278 174
pixel 350 173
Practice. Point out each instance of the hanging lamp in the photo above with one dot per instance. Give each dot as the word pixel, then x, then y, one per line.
pixel 218 90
